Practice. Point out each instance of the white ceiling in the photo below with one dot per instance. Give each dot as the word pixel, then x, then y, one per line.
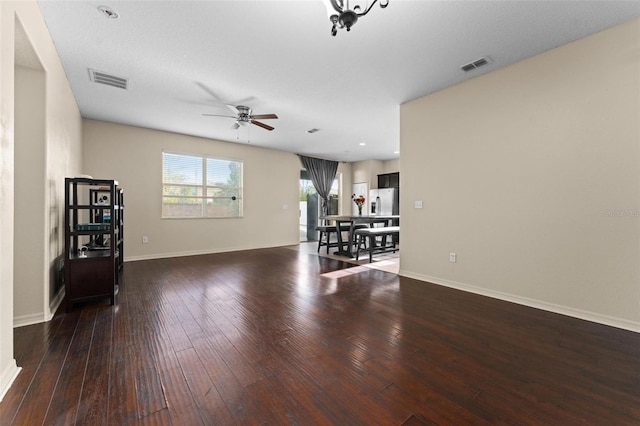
pixel 186 58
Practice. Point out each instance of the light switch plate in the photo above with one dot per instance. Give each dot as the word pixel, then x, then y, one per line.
pixel 417 204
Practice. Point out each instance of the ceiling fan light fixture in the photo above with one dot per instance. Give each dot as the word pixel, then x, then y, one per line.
pixel 244 116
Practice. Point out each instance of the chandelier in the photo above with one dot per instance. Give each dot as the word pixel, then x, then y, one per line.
pixel 342 16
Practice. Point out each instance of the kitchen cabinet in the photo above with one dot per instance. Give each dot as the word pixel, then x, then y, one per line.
pixel 389 180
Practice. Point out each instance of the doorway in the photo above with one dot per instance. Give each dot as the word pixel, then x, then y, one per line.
pixel 310 205
pixel 30 274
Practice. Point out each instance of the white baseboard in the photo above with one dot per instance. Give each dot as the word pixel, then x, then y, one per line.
pixel 30 319
pixel 201 252
pixel 7 377
pixel 40 317
pixel 55 304
pixel 533 303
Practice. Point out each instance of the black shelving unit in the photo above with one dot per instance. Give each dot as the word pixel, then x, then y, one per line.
pixel 94 225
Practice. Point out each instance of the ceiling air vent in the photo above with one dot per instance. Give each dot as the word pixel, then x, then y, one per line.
pixel 108 79
pixel 475 64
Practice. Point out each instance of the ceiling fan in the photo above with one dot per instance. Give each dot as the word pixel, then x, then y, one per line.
pixel 244 116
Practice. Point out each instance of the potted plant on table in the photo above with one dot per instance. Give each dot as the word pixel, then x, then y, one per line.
pixel 359 200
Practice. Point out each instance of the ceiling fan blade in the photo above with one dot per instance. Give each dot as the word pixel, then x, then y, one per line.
pixel 264 116
pixel 208 90
pixel 264 126
pixel 233 108
pixel 218 115
pixel 235 126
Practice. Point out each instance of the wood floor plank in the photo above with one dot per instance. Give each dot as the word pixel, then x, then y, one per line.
pixel 181 405
pixel 210 405
pixel 93 404
pixel 149 391
pixel 64 406
pixel 296 392
pixel 434 408
pixel 122 404
pixel 32 344
pixel 38 395
pixel 279 336
pixel 158 418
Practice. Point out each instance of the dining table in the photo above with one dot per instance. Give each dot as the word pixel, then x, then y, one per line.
pixel 352 220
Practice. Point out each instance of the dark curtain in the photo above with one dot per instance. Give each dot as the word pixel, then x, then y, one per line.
pixel 322 173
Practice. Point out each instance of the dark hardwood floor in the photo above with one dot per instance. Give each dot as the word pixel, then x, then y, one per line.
pixel 262 337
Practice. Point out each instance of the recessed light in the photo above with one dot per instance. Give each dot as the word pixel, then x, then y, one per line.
pixel 108 12
pixel 396 152
pixel 362 144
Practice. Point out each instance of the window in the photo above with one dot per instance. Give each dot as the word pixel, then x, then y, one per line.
pixel 200 186
pixel 306 186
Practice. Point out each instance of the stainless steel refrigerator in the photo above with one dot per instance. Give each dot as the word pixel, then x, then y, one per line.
pixel 385 201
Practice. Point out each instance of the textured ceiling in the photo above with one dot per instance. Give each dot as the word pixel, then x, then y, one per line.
pixel 186 58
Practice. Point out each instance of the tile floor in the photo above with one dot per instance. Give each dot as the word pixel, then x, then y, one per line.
pixel 389 262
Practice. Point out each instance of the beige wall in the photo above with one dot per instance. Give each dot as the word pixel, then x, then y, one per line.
pixel 391 166
pixel 133 156
pixel 346 173
pixel 531 175
pixel 29 272
pixel 368 170
pixel 24 39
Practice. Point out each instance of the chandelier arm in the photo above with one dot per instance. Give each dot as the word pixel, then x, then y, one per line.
pixel 334 4
pixel 367 9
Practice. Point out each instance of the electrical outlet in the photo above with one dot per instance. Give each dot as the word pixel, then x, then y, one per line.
pixel 145 239
pixel 452 257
